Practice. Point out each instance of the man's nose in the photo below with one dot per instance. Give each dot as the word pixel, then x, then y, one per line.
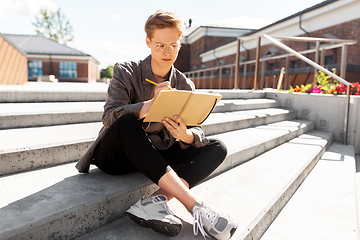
pixel 167 50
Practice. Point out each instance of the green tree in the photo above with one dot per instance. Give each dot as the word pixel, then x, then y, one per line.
pixel 53 25
pixel 107 72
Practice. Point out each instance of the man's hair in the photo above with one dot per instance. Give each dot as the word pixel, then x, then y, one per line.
pixel 163 19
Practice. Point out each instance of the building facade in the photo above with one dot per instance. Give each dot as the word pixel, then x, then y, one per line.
pixel 203 39
pixel 46 57
pixel 329 19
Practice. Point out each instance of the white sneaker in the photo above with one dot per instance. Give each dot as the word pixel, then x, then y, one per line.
pixel 154 212
pixel 210 221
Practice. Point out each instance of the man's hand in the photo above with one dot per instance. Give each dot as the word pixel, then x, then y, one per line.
pixel 145 108
pixel 162 86
pixel 178 129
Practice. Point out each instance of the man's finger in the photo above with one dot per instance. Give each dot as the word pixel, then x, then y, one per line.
pixel 179 120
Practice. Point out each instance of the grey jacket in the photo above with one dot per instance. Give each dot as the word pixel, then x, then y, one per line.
pixel 126 94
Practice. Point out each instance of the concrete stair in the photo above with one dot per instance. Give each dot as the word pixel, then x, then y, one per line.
pixel 50 92
pixel 324 204
pixel 41 134
pixel 253 192
pixel 24 115
pixel 270 153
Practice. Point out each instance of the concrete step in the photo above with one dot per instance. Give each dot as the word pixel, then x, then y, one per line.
pixel 254 192
pixel 20 115
pixel 85 92
pixel 59 203
pixel 324 206
pixel 228 105
pixel 236 93
pixel 30 148
pixel 245 144
pixel 53 92
pixel 224 122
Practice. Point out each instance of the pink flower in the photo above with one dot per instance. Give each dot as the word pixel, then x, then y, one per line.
pixel 316 89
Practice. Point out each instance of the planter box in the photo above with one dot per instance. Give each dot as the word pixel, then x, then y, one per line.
pixel 327 111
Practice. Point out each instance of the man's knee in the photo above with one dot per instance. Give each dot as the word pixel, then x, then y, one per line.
pixel 219 149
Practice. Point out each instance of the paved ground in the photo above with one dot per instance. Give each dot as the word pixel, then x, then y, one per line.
pixel 357 176
pixel 61 86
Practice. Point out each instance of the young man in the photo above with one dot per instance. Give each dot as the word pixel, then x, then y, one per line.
pixel 172 155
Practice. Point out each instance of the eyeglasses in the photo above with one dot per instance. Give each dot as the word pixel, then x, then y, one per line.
pixel 160 47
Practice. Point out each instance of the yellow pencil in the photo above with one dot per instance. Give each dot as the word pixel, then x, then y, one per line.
pixel 151 82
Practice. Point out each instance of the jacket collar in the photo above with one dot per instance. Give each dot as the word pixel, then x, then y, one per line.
pixel 147 73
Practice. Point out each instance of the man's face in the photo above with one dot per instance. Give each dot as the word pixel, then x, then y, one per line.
pixel 164 45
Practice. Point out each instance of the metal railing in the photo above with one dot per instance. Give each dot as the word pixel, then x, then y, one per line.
pixel 343 43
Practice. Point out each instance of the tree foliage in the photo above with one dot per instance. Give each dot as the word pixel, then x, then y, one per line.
pixel 107 72
pixel 53 25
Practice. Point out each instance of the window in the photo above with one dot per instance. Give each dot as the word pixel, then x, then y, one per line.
pixel 271 66
pixel 271 52
pixel 329 59
pixel 225 71
pixel 221 62
pixel 35 68
pixel 295 64
pixel 68 69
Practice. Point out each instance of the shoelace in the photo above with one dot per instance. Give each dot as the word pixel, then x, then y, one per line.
pixel 200 214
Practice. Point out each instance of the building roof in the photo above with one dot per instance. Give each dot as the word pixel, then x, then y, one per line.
pixel 242 22
pixel 319 5
pixel 12 44
pixel 35 44
pixel 194 30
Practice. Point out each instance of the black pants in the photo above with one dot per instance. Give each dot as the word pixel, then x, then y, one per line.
pixel 125 148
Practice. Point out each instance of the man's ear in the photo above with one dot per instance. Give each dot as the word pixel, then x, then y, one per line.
pixel 148 42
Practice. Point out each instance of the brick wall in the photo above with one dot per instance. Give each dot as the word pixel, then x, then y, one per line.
pixel 347 30
pixel 182 62
pixel 189 58
pixel 94 73
pixel 82 69
pixel 50 67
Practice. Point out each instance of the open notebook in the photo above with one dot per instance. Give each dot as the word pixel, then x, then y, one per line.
pixel 192 107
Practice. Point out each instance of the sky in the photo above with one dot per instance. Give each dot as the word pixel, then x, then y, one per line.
pixel 113 30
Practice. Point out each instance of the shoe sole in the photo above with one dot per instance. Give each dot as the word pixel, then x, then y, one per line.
pixel 232 232
pixel 158 226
